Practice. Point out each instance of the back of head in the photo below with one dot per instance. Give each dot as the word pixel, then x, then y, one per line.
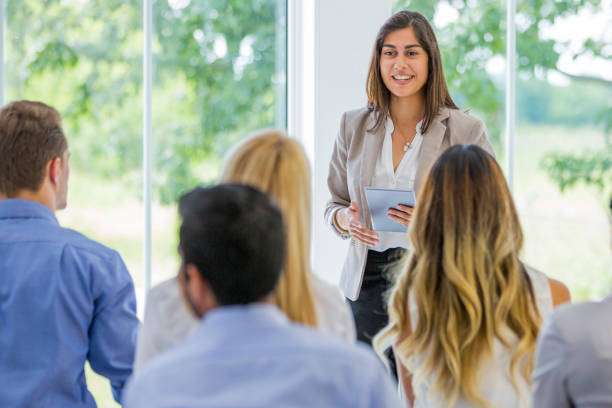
pixel 30 136
pixel 467 196
pixel 465 271
pixel 277 165
pixel 234 235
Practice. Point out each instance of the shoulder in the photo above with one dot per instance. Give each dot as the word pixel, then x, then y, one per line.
pixel 548 292
pixel 318 345
pixel 584 322
pixel 167 290
pixel 166 314
pixel 84 246
pixel 358 114
pixel 357 119
pixel 97 264
pixel 464 128
pixel 463 122
pixel 161 299
pixel 168 305
pixel 325 292
pixel 333 313
pixel 543 285
pixel 579 332
pixel 560 293
pixel 150 383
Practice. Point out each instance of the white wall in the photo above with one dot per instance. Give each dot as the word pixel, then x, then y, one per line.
pixel 344 33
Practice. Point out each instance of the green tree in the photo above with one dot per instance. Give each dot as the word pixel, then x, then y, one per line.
pixel 214 79
pixel 479 34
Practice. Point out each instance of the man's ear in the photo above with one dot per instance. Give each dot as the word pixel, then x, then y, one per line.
pixel 200 291
pixel 193 277
pixel 55 170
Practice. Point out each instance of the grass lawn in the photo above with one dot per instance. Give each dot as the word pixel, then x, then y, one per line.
pixel 100 389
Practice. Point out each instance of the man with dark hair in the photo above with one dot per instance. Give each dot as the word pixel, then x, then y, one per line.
pixel 64 299
pixel 246 353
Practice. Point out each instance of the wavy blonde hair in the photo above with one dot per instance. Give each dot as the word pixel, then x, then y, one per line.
pixel 277 165
pixel 465 278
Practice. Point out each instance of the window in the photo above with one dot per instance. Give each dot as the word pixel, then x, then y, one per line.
pixel 562 109
pixel 563 121
pixel 219 72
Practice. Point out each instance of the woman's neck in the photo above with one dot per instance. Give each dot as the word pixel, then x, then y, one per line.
pixel 407 109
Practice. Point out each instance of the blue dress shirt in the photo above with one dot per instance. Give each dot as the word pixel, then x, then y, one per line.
pixel 64 299
pixel 252 356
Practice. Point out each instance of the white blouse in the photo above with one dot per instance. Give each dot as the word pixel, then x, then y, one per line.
pixel 167 321
pixel 495 383
pixel 401 179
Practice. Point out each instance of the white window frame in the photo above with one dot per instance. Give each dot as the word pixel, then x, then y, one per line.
pixel 147 129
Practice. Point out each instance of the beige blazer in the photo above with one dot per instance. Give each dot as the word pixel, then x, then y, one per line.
pixel 353 163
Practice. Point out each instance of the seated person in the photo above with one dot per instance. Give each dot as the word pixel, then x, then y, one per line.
pixel 573 365
pixel 246 352
pixel 465 312
pixel 64 299
pixel 277 165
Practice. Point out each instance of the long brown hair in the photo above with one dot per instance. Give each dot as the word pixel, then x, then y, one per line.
pixel 436 91
pixel 277 165
pixel 465 278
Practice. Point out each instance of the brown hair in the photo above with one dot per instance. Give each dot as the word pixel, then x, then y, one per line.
pixel 277 165
pixel 465 279
pixel 436 91
pixel 30 136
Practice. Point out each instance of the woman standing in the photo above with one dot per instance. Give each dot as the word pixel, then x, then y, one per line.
pixel 410 120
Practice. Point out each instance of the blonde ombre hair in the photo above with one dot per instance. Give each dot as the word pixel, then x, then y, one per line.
pixel 277 165
pixel 465 278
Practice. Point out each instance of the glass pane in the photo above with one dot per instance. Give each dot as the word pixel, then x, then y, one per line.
pixel 564 121
pixel 472 39
pixel 84 59
pixel 219 75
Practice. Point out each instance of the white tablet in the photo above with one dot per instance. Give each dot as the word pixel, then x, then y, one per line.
pixel 379 202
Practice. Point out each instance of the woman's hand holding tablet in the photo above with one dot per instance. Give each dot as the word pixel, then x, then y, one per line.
pixel 402 214
pixel 391 210
pixel 348 219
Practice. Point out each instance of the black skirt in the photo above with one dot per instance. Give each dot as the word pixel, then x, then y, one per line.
pixel 370 309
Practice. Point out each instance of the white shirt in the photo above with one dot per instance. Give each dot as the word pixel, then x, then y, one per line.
pixel 167 321
pixel 495 383
pixel 400 179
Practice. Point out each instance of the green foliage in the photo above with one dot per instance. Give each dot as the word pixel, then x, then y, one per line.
pixel 479 34
pixel 85 58
pixel 573 105
pixel 54 56
pixel 591 167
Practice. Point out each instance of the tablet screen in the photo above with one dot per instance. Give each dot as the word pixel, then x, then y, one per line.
pixel 379 202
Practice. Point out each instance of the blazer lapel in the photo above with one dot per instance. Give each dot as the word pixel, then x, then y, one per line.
pixel 371 149
pixel 430 149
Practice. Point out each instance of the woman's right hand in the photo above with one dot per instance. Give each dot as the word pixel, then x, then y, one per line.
pixel 348 219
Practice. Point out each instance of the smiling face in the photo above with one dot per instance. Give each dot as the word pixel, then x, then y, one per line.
pixel 404 64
